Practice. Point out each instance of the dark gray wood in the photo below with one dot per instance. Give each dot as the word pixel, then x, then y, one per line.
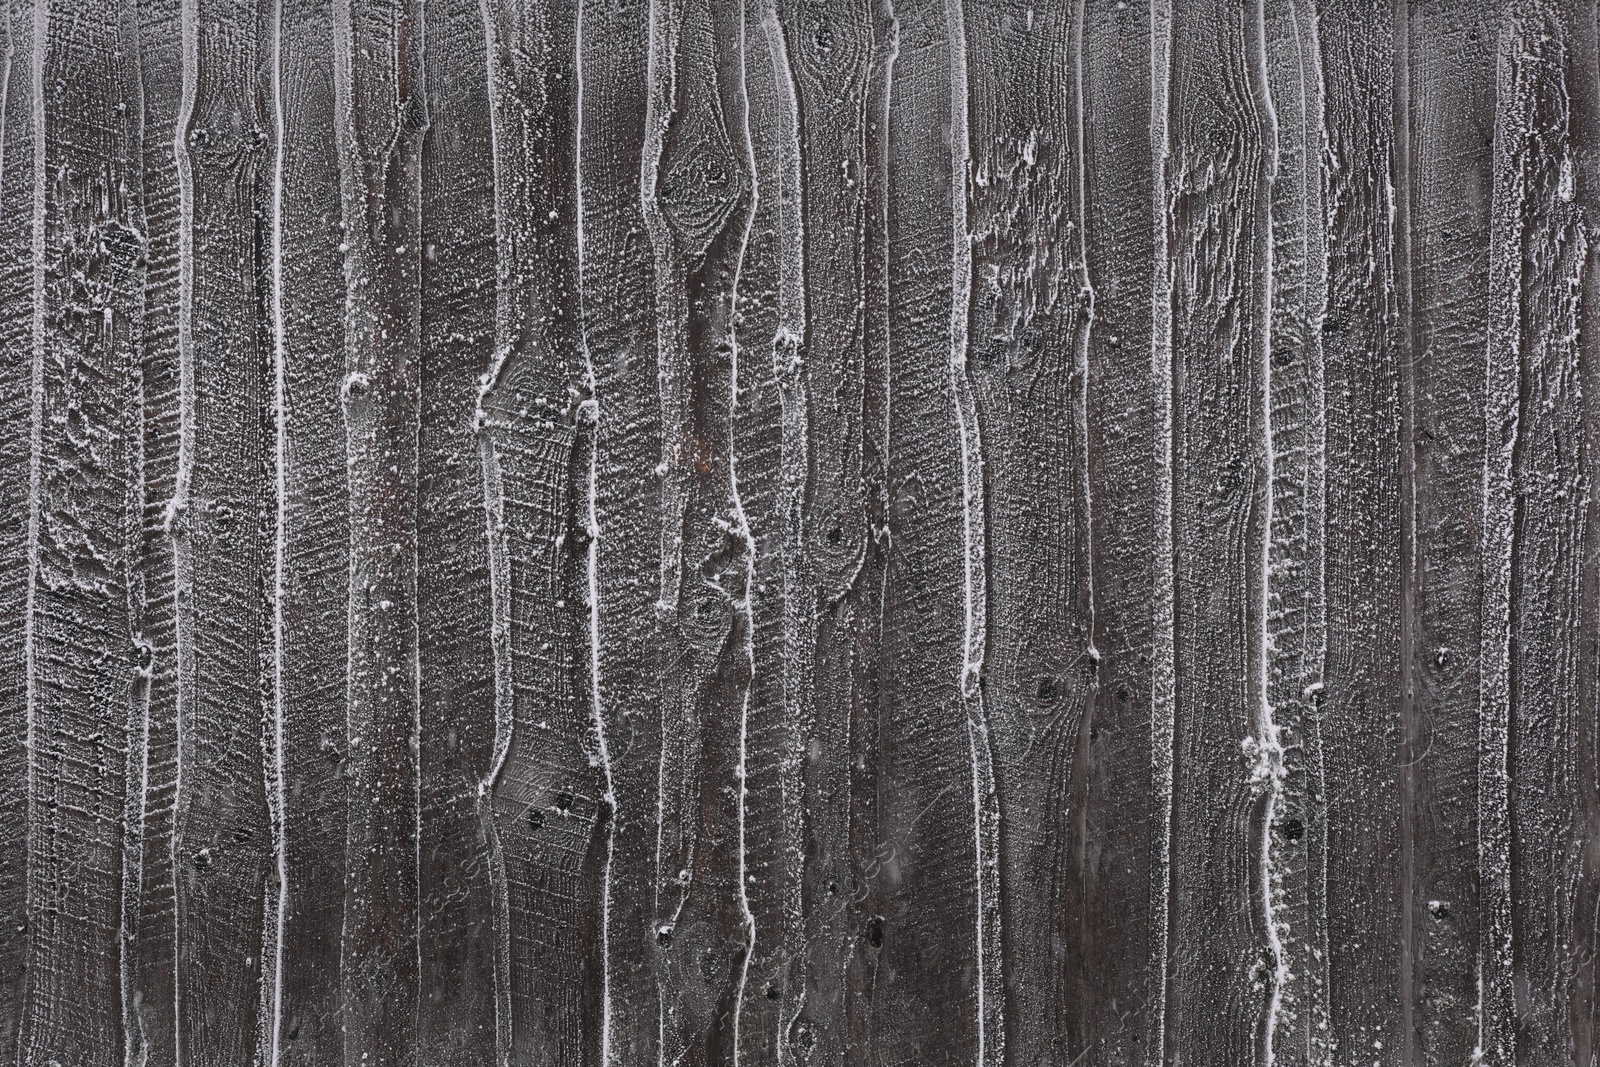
pixel 222 845
pixel 1445 167
pixel 698 191
pixel 935 995
pixel 380 117
pixel 153 925
pixel 620 324
pixel 1030 322
pixel 1225 957
pixel 310 526
pixel 1539 657
pixel 83 526
pixel 798 532
pixel 457 916
pixel 1298 573
pixel 535 422
pixel 1119 804
pixel 767 313
pixel 19 142
pixel 1360 703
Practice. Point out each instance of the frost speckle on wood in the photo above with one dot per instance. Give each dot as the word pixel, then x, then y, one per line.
pixel 799 532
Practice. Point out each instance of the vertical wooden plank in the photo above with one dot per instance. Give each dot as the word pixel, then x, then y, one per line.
pixel 1360 703
pixel 456 1021
pixel 827 129
pixel 936 996
pixel 1225 966
pixel 768 280
pixel 550 814
pixel 1538 730
pixel 620 338
pixel 380 117
pixel 83 518
pixel 1029 330
pixel 1120 806
pixel 875 845
pixel 310 555
pixel 154 929
pixel 19 144
pixel 697 189
pixel 1060 333
pixel 1445 172
pixel 1297 578
pixel 221 843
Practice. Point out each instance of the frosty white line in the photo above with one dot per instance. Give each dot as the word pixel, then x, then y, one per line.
pixel 1163 678
pixel 741 526
pixel 35 444
pixel 180 496
pixel 499 593
pixel 788 346
pixel 1502 431
pixel 990 1036
pixel 1085 327
pixel 276 796
pixel 659 53
pixel 973 591
pixel 1271 752
pixel 591 408
pixel 1310 73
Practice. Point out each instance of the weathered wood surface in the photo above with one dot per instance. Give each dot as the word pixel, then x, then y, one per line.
pixel 799 532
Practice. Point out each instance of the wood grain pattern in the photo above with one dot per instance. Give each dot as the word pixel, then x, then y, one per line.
pixel 799 532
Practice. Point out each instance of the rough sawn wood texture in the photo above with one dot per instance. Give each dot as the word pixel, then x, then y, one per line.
pixel 662 533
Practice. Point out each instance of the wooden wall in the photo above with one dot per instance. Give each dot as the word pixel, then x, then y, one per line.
pixel 610 533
